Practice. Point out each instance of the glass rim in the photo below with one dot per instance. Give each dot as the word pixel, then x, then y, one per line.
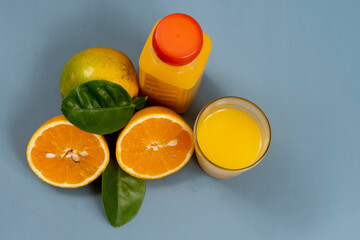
pixel 198 146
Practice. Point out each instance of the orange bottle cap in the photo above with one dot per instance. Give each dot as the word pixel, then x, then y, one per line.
pixel 177 39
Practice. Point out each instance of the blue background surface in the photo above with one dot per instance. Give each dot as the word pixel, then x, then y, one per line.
pixel 298 60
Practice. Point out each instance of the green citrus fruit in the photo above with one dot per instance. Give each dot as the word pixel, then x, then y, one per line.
pixel 99 63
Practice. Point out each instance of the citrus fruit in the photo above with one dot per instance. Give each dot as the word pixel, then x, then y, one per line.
pixel 64 156
pixel 99 63
pixel 156 142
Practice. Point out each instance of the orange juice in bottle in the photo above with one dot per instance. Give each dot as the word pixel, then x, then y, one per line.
pixel 172 62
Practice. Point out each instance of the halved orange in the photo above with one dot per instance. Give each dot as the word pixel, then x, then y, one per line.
pixel 64 156
pixel 156 142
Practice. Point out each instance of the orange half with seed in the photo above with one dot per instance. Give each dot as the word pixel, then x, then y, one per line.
pixel 64 156
pixel 156 142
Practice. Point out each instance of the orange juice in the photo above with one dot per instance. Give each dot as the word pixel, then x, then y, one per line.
pixel 172 62
pixel 232 135
pixel 230 138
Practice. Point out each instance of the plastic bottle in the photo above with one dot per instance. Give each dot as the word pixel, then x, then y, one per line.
pixel 172 62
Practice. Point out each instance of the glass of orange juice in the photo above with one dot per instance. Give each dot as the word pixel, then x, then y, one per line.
pixel 232 135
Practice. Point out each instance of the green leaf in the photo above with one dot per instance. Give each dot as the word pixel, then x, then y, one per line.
pixel 99 107
pixel 122 194
pixel 140 102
